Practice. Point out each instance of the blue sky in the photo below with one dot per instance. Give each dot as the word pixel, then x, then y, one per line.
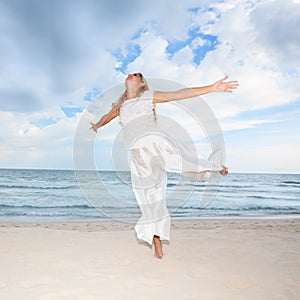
pixel 58 57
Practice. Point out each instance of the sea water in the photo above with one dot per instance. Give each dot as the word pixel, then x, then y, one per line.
pixel 29 195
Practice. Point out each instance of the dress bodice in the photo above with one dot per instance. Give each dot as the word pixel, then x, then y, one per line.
pixel 137 118
pixel 136 107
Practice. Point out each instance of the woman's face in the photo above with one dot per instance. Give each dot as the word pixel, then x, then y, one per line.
pixel 134 80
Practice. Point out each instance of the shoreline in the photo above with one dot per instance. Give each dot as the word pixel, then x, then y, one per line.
pixel 280 224
pixel 43 220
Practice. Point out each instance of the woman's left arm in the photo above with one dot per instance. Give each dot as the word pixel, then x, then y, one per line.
pixel 218 86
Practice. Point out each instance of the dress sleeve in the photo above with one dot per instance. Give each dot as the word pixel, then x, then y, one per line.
pixel 148 95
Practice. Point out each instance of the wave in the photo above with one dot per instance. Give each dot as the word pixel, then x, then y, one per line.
pixel 235 214
pixel 4 186
pixel 264 198
pixel 291 182
pixel 171 184
pixel 288 185
pixel 86 211
pixel 83 206
pixel 249 208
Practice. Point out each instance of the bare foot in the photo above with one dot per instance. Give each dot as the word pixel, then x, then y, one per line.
pixel 158 247
pixel 224 172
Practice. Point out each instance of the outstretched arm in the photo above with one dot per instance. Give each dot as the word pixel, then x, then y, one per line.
pixel 218 86
pixel 104 119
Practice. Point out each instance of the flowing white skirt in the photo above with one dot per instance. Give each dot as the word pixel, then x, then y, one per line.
pixel 151 158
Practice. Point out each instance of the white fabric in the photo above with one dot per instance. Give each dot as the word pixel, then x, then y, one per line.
pixel 153 154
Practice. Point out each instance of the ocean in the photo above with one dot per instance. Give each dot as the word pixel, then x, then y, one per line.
pixel 55 195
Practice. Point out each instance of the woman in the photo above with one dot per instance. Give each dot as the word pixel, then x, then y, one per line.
pixel 152 154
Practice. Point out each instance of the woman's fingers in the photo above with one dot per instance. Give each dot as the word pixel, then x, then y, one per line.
pixel 93 127
pixel 223 79
pixel 232 85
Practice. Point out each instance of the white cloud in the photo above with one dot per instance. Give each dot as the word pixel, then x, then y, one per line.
pixel 243 124
pixel 276 31
pixel 183 57
pixel 26 145
pixel 263 80
pixel 153 50
pixel 199 42
pixel 54 53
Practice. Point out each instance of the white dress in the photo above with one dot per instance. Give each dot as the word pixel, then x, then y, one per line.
pixel 153 154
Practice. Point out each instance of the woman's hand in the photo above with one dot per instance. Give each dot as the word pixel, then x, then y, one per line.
pixel 222 86
pixel 93 127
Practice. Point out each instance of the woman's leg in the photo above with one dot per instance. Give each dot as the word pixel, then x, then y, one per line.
pixel 158 247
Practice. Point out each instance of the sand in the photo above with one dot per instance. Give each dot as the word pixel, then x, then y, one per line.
pixel 206 259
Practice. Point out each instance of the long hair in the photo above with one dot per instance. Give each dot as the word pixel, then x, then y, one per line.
pixel 118 104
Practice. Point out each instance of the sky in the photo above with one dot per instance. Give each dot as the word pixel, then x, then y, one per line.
pixel 58 57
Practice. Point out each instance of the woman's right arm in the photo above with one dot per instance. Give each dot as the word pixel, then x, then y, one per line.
pixel 104 119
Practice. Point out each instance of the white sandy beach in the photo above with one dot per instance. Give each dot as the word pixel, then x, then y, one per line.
pixel 206 259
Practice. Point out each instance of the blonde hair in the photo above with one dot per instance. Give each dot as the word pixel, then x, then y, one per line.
pixel 118 104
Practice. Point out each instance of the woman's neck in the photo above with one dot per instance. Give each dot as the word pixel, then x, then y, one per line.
pixel 132 94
